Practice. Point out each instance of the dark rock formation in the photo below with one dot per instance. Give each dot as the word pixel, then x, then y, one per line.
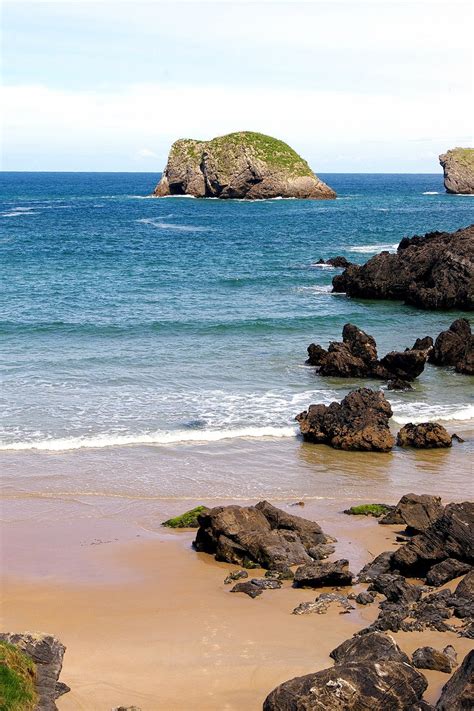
pixel 359 422
pixel 399 384
pixel 322 603
pixel 365 598
pixel 339 262
pixel 458 168
pixel 239 165
pixel 257 535
pixel 423 344
pixel 356 357
pixel 425 435
pixel 256 586
pixel 430 658
pixel 351 686
pixel 466 587
pixel 455 347
pixel 416 511
pixel 449 536
pixel 431 272
pixel 378 566
pixel 236 575
pixel 369 647
pixel 47 652
pixel 318 575
pixel 458 693
pixel 445 571
pixel 395 588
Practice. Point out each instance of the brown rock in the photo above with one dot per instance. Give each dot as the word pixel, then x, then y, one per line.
pixel 318 575
pixel 455 347
pixel 458 168
pixel 369 647
pixel 458 693
pixel 416 511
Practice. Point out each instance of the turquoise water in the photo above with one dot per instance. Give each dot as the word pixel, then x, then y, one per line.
pixel 131 320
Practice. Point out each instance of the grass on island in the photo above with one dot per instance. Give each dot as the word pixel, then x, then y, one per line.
pixel 17 677
pixel 189 519
pixel 376 510
pixel 464 156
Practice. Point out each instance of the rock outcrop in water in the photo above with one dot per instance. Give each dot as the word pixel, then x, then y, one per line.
pixel 239 165
pixel 358 422
pixel 455 347
pixel 432 272
pixel 458 167
pixel 425 435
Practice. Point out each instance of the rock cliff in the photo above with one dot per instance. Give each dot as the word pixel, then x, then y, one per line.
pixel 239 165
pixel 458 167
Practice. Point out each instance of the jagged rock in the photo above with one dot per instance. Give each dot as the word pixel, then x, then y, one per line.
pixel 322 603
pixel 395 588
pixel 455 347
pixel 416 511
pixel 338 262
pixel 318 575
pixel 281 573
pixel 458 168
pixel 423 344
pixel 365 598
pixel 425 435
pixel 432 272
pixel 445 571
pixel 369 647
pixel 458 693
pixel 257 535
pixel 47 652
pixel 405 365
pixel 449 536
pixel 256 586
pixel 430 658
pixel 324 550
pixel 351 686
pixel 236 575
pixel 239 165
pixel 359 422
pixel 378 566
pixel 399 384
pixel 316 354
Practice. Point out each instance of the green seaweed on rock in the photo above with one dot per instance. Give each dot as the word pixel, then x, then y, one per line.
pixel 189 519
pixel 376 510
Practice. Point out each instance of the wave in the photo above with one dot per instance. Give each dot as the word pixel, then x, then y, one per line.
pixel 323 266
pixel 317 289
pixel 372 248
pixel 20 212
pixel 153 438
pixel 417 412
pixel 431 192
pixel 172 226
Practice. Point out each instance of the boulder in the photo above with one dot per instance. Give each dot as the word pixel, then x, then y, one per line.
pixel 404 365
pixel 235 575
pixel 316 354
pixel 458 169
pixel 430 658
pixel 423 344
pixel 449 536
pixel 466 587
pixel 395 588
pixel 256 586
pixel 416 511
pixel 432 272
pixel 399 384
pixel 47 653
pixel 318 575
pixel 445 571
pixel 259 535
pixel 365 598
pixel 458 693
pixel 239 165
pixel 359 422
pixel 351 686
pixel 338 262
pixel 455 347
pixel 322 603
pixel 369 647
pixel 426 435
pixel 378 566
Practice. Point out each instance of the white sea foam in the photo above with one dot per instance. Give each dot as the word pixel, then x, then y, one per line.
pixel 373 248
pixel 316 289
pixel 19 212
pixel 431 192
pixel 172 226
pixel 151 439
pixel 323 266
pixel 423 412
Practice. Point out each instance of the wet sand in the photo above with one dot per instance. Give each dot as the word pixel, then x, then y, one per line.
pixel 148 621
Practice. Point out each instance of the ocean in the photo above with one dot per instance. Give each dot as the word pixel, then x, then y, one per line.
pixel 134 321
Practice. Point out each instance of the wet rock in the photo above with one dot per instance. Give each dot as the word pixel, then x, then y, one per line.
pixel 445 571
pixel 369 647
pixel 399 384
pixel 423 344
pixel 449 536
pixel 236 575
pixel 405 365
pixel 348 687
pixel 282 572
pixel 324 550
pixel 322 603
pixel 455 347
pixel 318 575
pixel 432 272
pixel 465 587
pixel 365 598
pixel 458 693
pixel 426 435
pixel 378 566
pixel 416 511
pixel 395 588
pixel 430 658
pixel 259 535
pixel 47 652
pixel 359 422
pixel 316 354
pixel 338 262
pixel 256 586
pixel 126 708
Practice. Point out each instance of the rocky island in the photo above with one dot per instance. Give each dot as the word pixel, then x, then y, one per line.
pixel 458 167
pixel 239 165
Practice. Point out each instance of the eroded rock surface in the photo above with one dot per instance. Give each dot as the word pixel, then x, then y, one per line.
pixel 318 575
pixel 416 511
pixel 455 347
pixel 458 168
pixel 369 647
pixel 431 658
pixel 425 435
pixel 458 693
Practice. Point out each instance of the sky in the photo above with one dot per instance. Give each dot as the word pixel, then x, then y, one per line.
pixel 352 85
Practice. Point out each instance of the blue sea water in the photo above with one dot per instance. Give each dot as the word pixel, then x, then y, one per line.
pixel 126 319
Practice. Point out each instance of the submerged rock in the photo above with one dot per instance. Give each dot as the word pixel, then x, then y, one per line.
pixel 399 384
pixel 425 435
pixel 432 272
pixel 239 165
pixel 458 693
pixel 260 535
pixel 359 422
pixel 256 586
pixel 458 168
pixel 338 262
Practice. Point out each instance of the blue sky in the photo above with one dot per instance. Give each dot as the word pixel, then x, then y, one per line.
pixel 354 86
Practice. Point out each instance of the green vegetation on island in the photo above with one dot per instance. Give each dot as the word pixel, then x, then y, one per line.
pixel 376 510
pixel 17 680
